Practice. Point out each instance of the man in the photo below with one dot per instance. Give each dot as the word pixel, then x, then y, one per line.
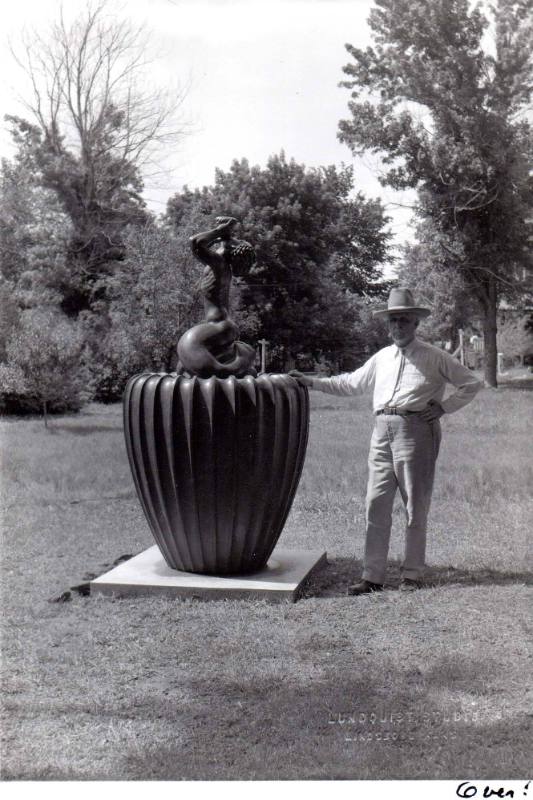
pixel 408 379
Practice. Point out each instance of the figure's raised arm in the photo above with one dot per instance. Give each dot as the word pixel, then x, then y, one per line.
pixel 201 242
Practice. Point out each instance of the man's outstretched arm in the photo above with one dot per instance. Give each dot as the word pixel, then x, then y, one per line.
pixel 348 383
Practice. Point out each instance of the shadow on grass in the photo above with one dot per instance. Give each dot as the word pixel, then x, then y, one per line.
pixel 263 729
pixel 335 577
pixel 84 430
pixel 339 726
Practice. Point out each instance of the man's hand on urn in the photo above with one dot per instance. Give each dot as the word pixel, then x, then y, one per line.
pixel 302 379
pixel 431 412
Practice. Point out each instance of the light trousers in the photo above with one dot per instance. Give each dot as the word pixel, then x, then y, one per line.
pixel 403 452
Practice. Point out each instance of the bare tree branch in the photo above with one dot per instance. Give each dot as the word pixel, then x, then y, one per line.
pixel 87 79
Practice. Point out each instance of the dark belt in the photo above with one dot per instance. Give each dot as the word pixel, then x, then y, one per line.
pixel 399 412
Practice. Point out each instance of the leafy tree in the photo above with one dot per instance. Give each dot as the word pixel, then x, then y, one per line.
pixel 34 237
pixel 447 117
pixel 373 332
pixel 150 301
pixel 70 198
pixel 316 245
pixel 91 130
pixel 9 316
pixel 45 365
pixel 432 271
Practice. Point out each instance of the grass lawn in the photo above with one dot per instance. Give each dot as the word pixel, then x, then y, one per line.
pixel 430 684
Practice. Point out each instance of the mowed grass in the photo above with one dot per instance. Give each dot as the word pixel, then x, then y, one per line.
pixel 431 684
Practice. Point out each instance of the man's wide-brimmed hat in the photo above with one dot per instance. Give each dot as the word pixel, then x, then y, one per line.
pixel 401 299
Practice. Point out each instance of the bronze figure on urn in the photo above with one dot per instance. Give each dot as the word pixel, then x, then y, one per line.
pixel 212 348
pixel 216 451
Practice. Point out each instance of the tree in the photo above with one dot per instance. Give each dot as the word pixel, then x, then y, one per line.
pixel 447 117
pixel 71 196
pixel 34 237
pixel 92 130
pixel 150 301
pixel 430 269
pixel 316 245
pixel 9 316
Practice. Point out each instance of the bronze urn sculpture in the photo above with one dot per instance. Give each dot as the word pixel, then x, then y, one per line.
pixel 215 450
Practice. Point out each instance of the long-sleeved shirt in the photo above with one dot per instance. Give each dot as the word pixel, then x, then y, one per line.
pixel 407 378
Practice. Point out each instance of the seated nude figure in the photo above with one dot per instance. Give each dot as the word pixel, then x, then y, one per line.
pixel 212 347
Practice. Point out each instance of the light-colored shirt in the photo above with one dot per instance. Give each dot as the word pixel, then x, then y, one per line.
pixel 407 379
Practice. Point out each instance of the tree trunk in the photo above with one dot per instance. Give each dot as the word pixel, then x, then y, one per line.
pixel 45 412
pixel 489 334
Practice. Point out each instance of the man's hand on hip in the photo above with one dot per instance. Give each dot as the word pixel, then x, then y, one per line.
pixel 302 379
pixel 431 412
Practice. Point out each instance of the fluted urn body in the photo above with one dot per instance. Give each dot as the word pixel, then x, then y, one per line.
pixel 216 463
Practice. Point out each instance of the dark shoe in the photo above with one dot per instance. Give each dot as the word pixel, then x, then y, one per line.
pixel 410 585
pixel 365 587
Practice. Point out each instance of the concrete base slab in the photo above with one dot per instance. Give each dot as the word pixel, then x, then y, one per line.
pixel 148 574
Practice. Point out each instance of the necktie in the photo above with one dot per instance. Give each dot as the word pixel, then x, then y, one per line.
pixel 399 375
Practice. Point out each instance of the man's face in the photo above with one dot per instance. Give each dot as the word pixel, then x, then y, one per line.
pixel 402 327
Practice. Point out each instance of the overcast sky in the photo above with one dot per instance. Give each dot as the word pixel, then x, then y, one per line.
pixel 262 74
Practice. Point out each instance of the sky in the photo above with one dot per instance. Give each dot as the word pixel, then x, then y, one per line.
pixel 261 75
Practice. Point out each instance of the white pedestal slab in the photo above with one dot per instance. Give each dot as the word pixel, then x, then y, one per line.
pixel 149 574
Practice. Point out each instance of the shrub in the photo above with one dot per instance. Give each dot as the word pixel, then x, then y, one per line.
pixel 45 368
